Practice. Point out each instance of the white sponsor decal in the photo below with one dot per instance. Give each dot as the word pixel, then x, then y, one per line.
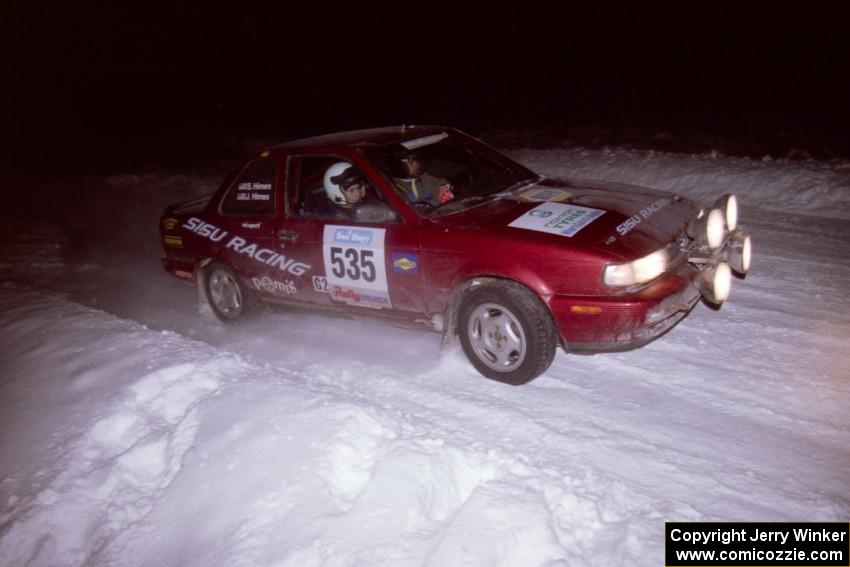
pixel 357 296
pixel 354 265
pixel 239 245
pixel 634 220
pixel 557 218
pixel 205 229
pixel 542 195
pixel 254 186
pixel 349 235
pixel 273 286
pixel 424 141
pixel 320 284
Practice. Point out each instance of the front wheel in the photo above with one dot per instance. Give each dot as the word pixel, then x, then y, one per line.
pixel 507 332
pixel 225 294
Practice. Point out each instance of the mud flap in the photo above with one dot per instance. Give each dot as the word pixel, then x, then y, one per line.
pixel 204 308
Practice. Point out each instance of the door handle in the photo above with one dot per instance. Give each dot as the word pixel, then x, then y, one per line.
pixel 288 235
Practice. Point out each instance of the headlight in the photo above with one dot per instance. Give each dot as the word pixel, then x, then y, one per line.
pixel 640 271
pixel 729 205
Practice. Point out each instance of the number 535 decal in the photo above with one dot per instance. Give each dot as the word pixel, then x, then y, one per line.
pixel 354 265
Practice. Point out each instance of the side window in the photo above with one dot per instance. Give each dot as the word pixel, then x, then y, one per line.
pixel 253 191
pixel 352 198
pixel 310 196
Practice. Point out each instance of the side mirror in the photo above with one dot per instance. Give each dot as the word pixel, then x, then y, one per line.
pixel 374 211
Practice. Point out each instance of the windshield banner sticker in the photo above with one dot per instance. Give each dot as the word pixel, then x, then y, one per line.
pixel 355 270
pixel 424 141
pixel 557 218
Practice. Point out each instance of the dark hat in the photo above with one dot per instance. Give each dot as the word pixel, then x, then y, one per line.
pixel 347 176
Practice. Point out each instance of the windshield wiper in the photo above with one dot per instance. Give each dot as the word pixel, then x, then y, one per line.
pixel 473 200
pixel 518 186
pixel 457 204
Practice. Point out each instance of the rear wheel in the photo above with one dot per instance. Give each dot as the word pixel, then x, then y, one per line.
pixel 507 332
pixel 226 295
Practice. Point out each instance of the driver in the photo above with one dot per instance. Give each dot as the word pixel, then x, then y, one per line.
pixel 416 184
pixel 345 188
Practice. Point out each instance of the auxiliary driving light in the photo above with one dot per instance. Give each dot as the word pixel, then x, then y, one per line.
pixel 708 229
pixel 691 229
pixel 728 203
pixel 715 282
pixel 740 252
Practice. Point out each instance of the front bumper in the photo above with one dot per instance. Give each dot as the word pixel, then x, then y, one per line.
pixel 596 324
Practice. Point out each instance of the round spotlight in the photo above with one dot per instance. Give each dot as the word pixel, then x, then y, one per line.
pixel 722 282
pixel 714 228
pixel 693 227
pixel 732 213
pixel 739 252
pixel 715 282
pixel 728 203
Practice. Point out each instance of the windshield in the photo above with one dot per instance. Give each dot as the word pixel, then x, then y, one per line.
pixel 448 172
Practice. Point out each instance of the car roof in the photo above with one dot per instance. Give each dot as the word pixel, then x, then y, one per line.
pixel 363 138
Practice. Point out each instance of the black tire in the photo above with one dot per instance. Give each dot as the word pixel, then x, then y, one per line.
pixel 225 294
pixel 506 332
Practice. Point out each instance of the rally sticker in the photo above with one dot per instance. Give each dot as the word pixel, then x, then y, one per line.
pixel 543 195
pixel 355 269
pixel 172 241
pixel 557 218
pixel 270 285
pixel 239 245
pixel 405 263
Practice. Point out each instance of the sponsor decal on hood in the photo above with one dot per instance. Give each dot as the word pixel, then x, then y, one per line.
pixel 557 218
pixel 626 226
pixel 539 195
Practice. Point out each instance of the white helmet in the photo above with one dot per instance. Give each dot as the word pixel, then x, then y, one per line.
pixel 335 176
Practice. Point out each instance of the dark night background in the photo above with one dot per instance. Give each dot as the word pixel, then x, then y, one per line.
pixel 105 85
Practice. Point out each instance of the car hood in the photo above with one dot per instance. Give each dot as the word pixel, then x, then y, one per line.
pixel 625 221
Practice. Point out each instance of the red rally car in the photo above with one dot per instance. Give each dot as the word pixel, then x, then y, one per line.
pixel 429 226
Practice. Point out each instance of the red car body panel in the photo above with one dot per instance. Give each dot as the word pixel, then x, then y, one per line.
pixel 428 259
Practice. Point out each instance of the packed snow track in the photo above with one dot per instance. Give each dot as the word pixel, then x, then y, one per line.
pixel 138 430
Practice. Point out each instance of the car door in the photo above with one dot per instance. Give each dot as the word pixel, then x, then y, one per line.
pixel 356 265
pixel 249 213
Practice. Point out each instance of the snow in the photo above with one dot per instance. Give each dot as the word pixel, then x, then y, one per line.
pixel 138 430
